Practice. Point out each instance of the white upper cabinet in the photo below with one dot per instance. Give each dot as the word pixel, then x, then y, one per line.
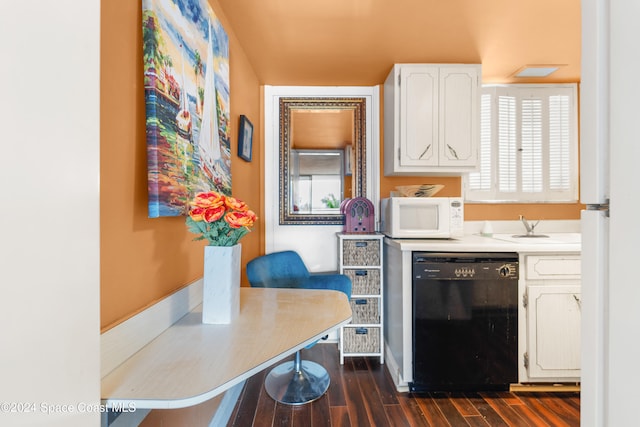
pixel 431 119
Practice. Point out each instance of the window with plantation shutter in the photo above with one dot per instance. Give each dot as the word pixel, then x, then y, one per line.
pixel 528 145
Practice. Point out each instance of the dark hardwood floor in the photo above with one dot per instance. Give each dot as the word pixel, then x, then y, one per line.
pixel 362 394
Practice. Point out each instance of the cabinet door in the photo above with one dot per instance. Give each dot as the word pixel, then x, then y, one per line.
pixel 459 116
pixel 554 331
pixel 419 116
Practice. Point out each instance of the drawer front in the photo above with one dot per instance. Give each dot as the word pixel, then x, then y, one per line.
pixel 552 267
pixel 365 310
pixel 361 252
pixel 364 281
pixel 361 340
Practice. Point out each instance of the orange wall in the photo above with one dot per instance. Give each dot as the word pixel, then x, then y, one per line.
pixel 143 260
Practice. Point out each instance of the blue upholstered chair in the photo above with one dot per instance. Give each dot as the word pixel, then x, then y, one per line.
pixel 299 381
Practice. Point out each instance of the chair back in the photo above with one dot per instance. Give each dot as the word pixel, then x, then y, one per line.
pixel 277 270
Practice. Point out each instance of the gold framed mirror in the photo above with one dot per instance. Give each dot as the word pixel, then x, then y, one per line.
pixel 320 129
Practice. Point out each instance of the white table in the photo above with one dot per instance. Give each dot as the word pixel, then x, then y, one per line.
pixel 192 362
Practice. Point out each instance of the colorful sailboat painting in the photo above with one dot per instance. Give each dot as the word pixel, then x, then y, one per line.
pixel 186 85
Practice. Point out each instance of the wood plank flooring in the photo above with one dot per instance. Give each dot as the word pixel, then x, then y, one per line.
pixel 362 394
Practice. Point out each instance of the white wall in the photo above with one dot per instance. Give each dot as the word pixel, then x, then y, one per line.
pixel 49 221
pixel 621 370
pixel 316 244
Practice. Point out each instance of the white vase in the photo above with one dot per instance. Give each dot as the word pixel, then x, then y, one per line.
pixel 221 289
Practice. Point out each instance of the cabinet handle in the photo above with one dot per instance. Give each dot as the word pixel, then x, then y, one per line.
pixel 361 302
pixel 361 272
pixel 453 152
pixel 577 301
pixel 425 151
pixel 361 244
pixel 362 331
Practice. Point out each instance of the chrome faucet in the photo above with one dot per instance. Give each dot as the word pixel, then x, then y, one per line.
pixel 530 227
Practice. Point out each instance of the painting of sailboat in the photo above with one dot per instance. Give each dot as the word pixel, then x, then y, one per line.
pixel 186 84
pixel 208 141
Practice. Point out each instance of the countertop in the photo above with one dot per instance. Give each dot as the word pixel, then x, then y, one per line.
pixel 504 242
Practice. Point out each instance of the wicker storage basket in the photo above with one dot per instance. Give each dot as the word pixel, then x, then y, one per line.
pixel 361 252
pixel 365 310
pixel 361 340
pixel 364 281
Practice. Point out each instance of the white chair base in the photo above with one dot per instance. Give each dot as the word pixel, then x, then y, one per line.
pixel 297 382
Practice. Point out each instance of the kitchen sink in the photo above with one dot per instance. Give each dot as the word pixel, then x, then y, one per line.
pixel 542 239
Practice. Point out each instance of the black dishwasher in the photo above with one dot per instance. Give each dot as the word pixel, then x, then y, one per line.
pixel 465 321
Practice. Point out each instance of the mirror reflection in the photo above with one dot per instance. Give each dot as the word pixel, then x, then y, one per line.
pixel 317 181
pixel 321 157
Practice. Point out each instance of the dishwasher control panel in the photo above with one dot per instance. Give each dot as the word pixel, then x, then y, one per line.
pixel 465 266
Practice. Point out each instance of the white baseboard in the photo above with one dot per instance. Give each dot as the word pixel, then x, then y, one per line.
pixel 394 370
pixel 123 340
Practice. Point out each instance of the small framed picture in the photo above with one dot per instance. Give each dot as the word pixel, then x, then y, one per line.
pixel 245 139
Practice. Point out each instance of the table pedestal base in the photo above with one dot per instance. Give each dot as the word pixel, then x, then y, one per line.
pixel 297 382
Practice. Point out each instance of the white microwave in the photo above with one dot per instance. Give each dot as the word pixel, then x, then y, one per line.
pixel 422 217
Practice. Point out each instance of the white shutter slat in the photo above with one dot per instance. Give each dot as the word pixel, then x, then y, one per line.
pixel 531 145
pixel 481 181
pixel 507 144
pixel 559 143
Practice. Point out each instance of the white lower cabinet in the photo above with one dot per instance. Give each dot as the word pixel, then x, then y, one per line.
pixel 551 309
pixel 554 331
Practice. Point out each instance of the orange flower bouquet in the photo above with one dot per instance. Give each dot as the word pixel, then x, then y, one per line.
pixel 220 219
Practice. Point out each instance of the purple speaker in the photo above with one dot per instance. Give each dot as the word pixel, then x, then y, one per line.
pixel 358 215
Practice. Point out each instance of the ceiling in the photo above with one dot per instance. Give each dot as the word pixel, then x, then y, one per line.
pixel 356 42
